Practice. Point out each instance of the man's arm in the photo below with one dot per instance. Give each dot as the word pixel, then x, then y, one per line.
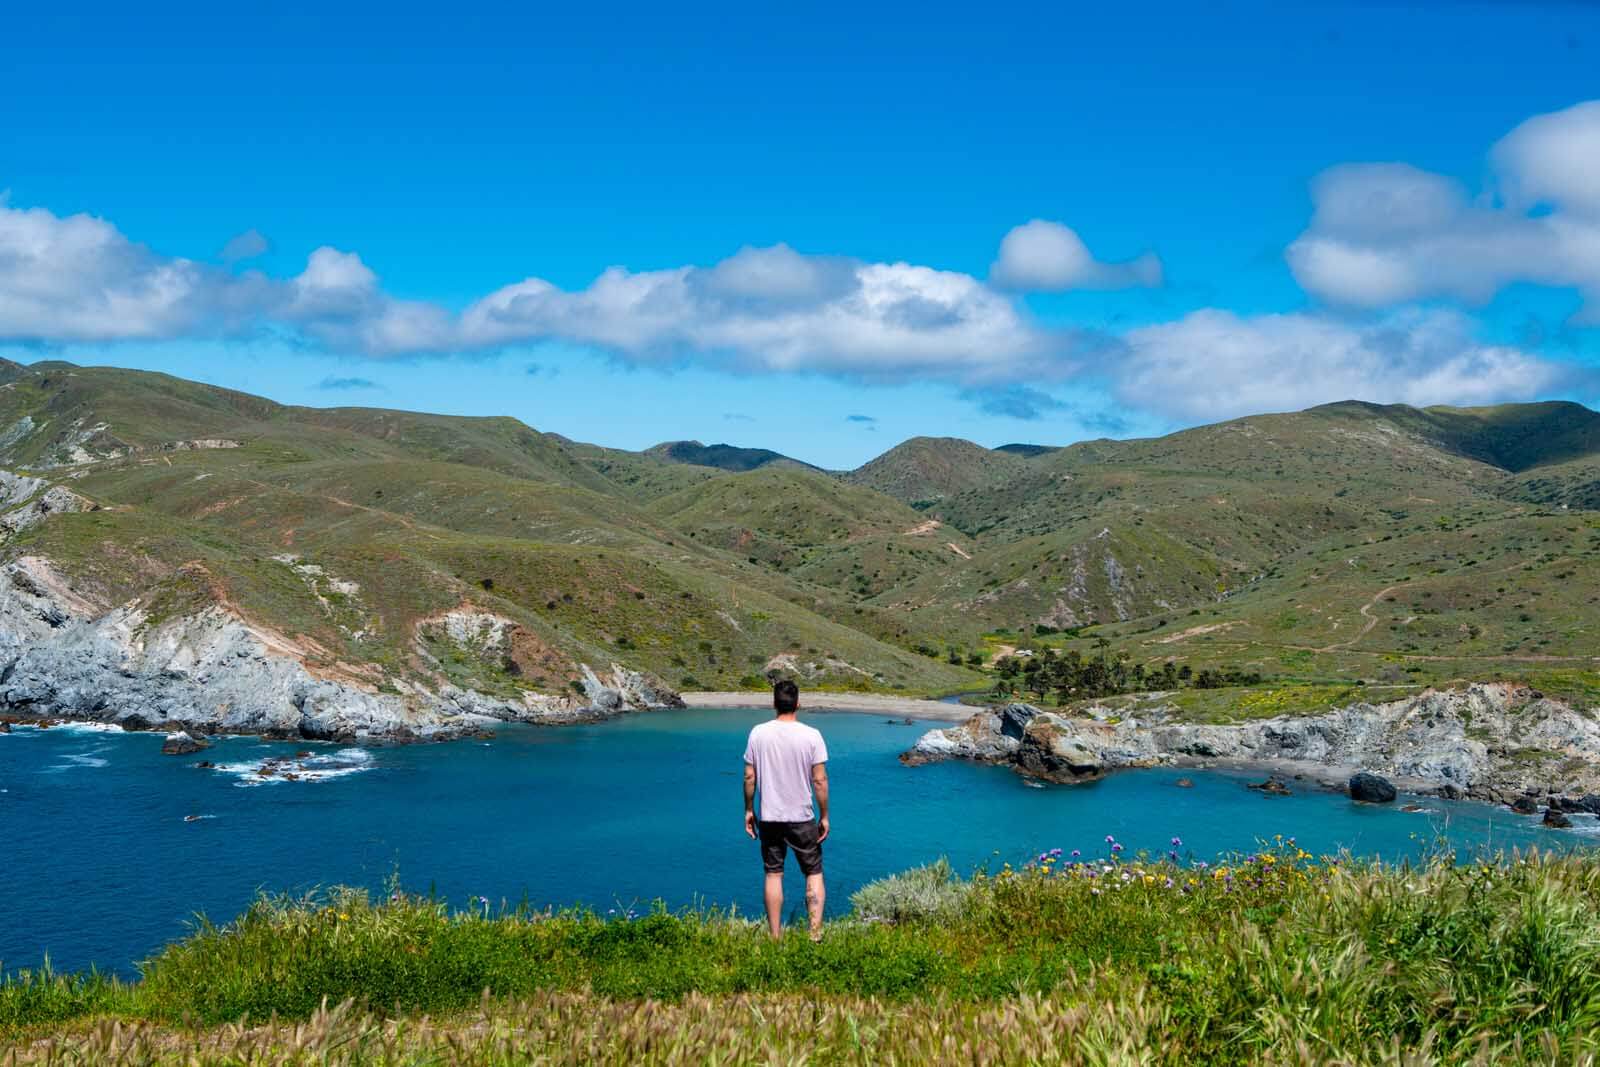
pixel 750 799
pixel 819 787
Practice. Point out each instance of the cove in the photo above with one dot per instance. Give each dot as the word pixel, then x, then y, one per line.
pixel 108 848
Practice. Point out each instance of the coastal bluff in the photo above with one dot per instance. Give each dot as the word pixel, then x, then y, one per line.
pixel 1493 741
pixel 213 672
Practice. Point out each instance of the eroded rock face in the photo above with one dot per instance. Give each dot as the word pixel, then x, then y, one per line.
pixel 1051 749
pixel 211 672
pixel 1520 741
pixel 1014 719
pixel 628 690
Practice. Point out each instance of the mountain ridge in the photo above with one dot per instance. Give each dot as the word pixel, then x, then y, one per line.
pixel 408 553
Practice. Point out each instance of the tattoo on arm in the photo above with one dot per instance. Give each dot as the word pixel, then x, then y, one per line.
pixel 749 787
pixel 819 787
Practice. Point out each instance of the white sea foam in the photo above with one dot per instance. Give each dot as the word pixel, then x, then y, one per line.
pixel 75 760
pixel 277 769
pixel 72 727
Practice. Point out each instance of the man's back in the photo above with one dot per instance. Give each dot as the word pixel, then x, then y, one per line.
pixel 783 754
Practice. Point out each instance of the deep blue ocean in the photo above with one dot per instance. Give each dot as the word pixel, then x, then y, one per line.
pixel 108 848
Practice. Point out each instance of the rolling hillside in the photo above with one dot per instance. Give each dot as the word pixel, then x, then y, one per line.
pixel 927 469
pixel 1350 542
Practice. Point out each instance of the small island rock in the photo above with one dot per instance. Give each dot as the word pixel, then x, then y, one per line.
pixel 1371 788
pixel 183 743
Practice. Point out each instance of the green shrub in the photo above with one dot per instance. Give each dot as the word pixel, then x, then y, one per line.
pixel 923 894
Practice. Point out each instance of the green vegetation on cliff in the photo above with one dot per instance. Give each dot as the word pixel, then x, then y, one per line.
pixel 1351 543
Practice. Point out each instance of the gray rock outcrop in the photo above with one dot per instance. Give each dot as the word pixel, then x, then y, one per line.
pixel 1490 741
pixel 212 672
pixel 183 743
pixel 1371 788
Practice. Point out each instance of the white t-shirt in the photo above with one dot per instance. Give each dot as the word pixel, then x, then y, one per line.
pixel 783 754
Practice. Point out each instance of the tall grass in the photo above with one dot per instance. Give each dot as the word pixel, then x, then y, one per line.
pixel 1274 957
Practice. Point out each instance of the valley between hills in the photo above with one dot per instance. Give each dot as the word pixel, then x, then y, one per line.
pixel 177 554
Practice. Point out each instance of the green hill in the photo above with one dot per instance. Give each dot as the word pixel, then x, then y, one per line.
pixel 724 457
pixel 207 496
pixel 1347 542
pixel 925 469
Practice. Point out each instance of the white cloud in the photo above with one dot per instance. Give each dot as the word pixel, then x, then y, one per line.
pixel 1387 233
pixel 1554 159
pixel 1214 364
pixel 1044 256
pixel 1380 233
pixel 338 301
pixel 78 279
pixel 772 309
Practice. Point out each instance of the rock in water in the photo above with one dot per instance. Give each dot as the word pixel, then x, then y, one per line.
pixel 1584 805
pixel 182 743
pixel 1051 749
pixel 1272 787
pixel 1371 788
pixel 1525 805
pixel 1554 818
pixel 1184 783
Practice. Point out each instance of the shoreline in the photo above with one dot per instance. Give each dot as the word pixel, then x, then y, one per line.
pixel 819 700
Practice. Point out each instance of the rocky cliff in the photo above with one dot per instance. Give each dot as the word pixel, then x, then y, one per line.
pixel 1491 741
pixel 213 672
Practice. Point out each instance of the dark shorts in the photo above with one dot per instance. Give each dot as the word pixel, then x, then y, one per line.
pixel 778 837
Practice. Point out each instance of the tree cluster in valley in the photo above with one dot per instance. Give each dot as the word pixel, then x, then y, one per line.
pixel 1071 676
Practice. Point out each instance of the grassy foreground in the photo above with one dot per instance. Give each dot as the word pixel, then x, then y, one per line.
pixel 1275 957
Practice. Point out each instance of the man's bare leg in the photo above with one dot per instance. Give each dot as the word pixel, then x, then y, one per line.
pixel 774 896
pixel 816 896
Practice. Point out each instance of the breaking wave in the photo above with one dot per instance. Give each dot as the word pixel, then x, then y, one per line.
pixel 300 768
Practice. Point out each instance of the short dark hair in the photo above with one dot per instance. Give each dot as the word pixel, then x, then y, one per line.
pixel 785 696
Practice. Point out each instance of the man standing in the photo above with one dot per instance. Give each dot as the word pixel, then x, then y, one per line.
pixel 787 760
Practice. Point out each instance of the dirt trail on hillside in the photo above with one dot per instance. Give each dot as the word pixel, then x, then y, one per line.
pixel 1372 620
pixel 1366 613
pixel 403 520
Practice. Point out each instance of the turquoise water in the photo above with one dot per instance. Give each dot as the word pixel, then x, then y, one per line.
pixel 98 864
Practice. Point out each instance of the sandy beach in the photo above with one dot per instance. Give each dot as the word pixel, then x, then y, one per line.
pixel 870 703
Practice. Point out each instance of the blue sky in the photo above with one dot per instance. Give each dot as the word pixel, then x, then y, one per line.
pixel 1000 223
